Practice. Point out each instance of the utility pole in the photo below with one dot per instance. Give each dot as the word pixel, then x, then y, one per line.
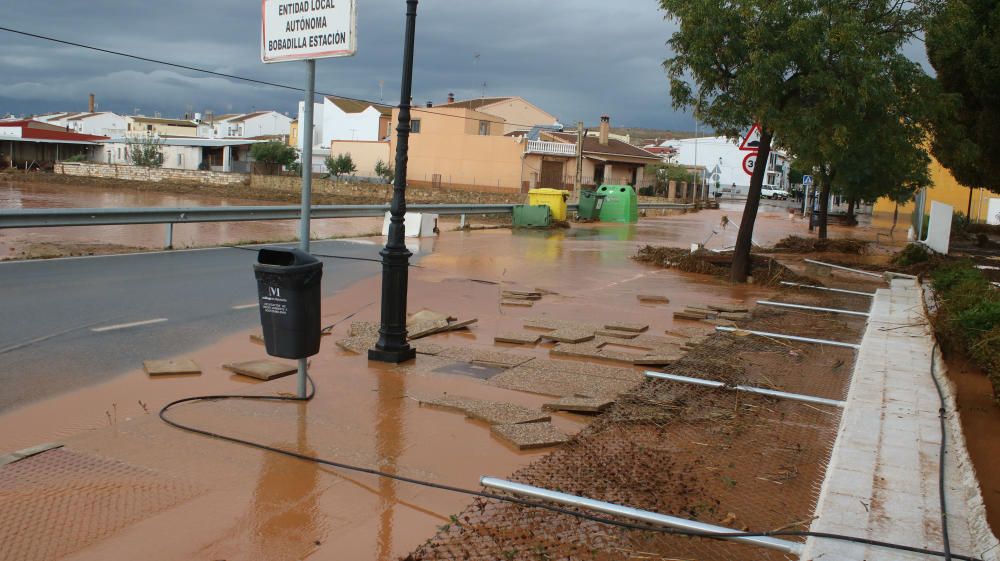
pixel 578 179
pixel 307 152
pixel 392 346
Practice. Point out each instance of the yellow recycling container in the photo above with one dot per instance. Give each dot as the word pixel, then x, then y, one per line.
pixel 555 199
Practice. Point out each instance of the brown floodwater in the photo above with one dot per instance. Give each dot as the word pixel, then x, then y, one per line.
pixel 257 505
pixel 17 195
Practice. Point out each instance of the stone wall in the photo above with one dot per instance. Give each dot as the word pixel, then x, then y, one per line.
pixel 137 173
pixel 414 193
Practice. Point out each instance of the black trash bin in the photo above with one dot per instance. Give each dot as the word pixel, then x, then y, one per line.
pixel 289 290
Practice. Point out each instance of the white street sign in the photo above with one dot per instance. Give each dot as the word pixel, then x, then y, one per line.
pixel 307 29
pixel 748 162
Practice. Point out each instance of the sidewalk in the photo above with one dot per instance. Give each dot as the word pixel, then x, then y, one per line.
pixel 882 481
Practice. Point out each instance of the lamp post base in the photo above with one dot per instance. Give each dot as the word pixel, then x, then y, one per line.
pixel 392 356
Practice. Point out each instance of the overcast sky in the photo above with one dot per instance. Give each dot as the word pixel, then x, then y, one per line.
pixel 576 59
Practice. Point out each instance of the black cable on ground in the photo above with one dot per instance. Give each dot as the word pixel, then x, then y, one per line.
pixel 504 498
pixel 941 486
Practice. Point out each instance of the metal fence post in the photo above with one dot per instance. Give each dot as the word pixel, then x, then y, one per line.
pixel 170 235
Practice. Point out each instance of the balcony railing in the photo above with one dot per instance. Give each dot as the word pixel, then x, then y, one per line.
pixel 551 148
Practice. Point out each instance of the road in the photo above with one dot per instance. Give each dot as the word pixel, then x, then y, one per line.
pixel 69 323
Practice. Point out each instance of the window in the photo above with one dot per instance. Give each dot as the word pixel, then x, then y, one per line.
pixel 119 153
pixel 484 128
pixel 149 127
pixel 415 126
pixel 180 160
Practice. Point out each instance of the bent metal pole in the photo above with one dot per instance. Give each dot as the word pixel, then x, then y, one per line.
pixel 392 346
pixel 789 337
pixel 742 388
pixel 636 514
pixel 811 308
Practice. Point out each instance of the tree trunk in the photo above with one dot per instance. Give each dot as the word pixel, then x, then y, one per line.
pixel 850 212
pixel 744 240
pixel 895 218
pixel 824 203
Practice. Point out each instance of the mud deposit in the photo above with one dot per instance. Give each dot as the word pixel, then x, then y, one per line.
pixel 736 460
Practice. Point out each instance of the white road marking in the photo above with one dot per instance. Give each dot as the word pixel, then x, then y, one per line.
pixel 245 306
pixel 127 325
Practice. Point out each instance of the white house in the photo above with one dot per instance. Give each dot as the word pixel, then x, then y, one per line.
pixel 252 125
pixel 338 118
pixel 103 123
pixel 724 163
pixel 215 154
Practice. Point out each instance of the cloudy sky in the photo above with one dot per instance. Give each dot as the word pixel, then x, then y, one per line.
pixel 576 59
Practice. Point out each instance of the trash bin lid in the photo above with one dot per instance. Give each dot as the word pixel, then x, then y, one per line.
pixel 282 257
pixel 548 191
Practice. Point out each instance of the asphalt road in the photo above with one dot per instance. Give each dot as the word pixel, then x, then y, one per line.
pixel 69 323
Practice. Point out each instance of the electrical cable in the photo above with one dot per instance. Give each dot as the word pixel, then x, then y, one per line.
pixel 941 485
pixel 233 76
pixel 506 498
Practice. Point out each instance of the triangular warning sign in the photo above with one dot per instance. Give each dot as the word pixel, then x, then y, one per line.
pixel 751 142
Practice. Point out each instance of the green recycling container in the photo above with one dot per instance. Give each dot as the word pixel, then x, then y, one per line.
pixel 591 203
pixel 620 205
pixel 532 216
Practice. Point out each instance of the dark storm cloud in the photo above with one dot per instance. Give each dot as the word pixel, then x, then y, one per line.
pixel 576 59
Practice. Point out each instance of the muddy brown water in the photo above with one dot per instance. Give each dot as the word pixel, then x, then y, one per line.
pixel 17 195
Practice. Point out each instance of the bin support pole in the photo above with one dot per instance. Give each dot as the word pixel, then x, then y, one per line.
pixel 307 151
pixel 392 346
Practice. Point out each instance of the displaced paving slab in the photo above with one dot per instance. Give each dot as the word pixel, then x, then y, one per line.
pixel 517 337
pixel 492 412
pixel 426 327
pixel 653 299
pixel 483 356
pixel 520 295
pixel 28 452
pixel 426 347
pixel 627 326
pixel 568 379
pixel 576 404
pixel 513 302
pixel 570 335
pixel 530 436
pixel 480 371
pixel 730 308
pixel 615 334
pixel 261 369
pixel 170 367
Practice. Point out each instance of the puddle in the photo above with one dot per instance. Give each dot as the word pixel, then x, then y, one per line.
pixel 475 370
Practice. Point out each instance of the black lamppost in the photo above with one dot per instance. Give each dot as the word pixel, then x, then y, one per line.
pixel 392 346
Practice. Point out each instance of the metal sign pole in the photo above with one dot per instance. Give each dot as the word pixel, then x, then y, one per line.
pixel 304 221
pixel 392 346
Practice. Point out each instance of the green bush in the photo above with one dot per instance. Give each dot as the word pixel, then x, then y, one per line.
pixel 76 158
pixel 911 254
pixel 979 318
pixel 947 278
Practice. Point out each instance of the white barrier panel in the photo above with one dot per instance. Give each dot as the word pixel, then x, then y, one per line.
pixel 416 224
pixel 939 227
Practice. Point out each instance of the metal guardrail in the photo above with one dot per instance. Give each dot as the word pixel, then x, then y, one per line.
pixel 46 218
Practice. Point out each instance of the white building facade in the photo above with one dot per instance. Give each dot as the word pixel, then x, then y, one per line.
pixel 102 123
pixel 339 119
pixel 252 125
pixel 724 163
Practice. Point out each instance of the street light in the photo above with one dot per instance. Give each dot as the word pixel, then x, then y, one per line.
pixel 392 346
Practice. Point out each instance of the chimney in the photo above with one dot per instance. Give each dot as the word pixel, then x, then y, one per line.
pixel 91 103
pixel 430 104
pixel 451 97
pixel 605 127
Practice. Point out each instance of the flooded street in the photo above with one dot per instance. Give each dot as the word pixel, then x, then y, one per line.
pixel 20 195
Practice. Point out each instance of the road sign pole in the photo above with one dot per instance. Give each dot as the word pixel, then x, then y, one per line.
pixel 304 221
pixel 392 346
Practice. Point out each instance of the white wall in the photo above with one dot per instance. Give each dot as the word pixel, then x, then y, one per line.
pixel 724 153
pixel 102 124
pixel 271 123
pixel 114 153
pixel 318 110
pixel 338 125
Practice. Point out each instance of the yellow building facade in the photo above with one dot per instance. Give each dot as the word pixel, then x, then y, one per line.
pixel 946 189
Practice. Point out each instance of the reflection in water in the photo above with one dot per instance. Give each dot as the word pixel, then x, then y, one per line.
pixel 388 447
pixel 285 509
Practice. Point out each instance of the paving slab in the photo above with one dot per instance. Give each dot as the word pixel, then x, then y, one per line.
pixel 513 302
pixel 554 378
pixel 530 436
pixel 731 308
pixel 520 295
pixel 261 369
pixel 480 371
pixel 576 404
pixel 426 327
pixel 653 299
pixel 517 337
pixel 734 316
pixel 483 356
pixel 690 316
pixel 170 367
pixel 492 412
pixel 627 326
pixel 616 334
pixel 570 335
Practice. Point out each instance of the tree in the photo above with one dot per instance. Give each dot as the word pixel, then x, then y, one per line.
pixel 340 165
pixel 963 48
pixel 273 155
pixel 738 63
pixel 145 151
pixel 663 174
pixel 385 171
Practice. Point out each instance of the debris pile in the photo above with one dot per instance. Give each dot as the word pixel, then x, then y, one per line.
pixel 764 270
pixel 800 244
pixel 725 315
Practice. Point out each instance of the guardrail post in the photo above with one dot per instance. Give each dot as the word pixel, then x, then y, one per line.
pixel 461 224
pixel 170 235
